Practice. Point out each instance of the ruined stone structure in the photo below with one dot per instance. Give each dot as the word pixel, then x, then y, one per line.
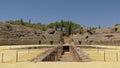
pixel 16 34
pixel 57 53
pixel 102 36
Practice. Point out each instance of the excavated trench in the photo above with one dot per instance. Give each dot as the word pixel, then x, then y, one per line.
pixel 64 53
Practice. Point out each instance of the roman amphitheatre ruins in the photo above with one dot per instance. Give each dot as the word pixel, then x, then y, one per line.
pixel 24 44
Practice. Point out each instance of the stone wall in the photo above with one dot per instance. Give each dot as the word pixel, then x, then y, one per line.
pixel 96 39
pixel 21 35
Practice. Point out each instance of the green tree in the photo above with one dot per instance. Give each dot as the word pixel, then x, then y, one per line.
pixel 29 21
pixel 22 22
pixel 68 27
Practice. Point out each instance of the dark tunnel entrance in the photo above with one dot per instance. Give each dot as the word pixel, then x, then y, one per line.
pixel 51 42
pixel 66 49
pixel 39 42
pixel 79 42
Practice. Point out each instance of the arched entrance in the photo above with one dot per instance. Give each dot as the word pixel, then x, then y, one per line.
pixel 79 42
pixel 39 42
pixel 51 42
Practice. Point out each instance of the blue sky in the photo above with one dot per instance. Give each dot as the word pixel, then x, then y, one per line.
pixel 84 12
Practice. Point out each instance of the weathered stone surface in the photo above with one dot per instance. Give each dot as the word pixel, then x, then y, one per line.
pixel 102 36
pixel 50 31
pixel 17 34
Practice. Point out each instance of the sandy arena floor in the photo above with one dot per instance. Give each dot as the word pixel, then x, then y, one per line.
pixel 107 55
pixel 9 56
pixel 61 65
pixel 24 55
